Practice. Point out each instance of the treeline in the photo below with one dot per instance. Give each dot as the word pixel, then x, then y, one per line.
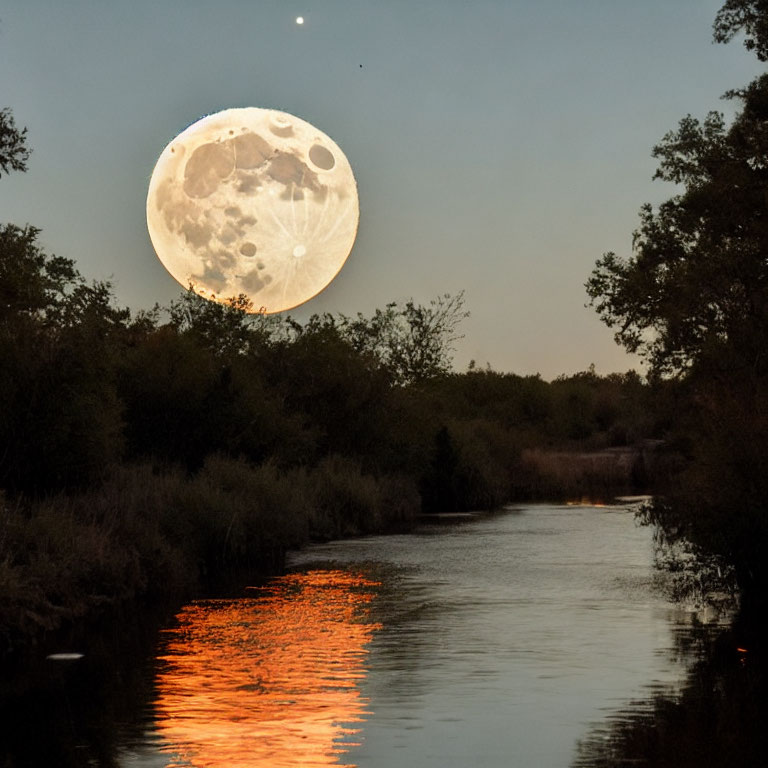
pixel 86 386
pixel 140 452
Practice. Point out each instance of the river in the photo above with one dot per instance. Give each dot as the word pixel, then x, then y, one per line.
pixel 503 640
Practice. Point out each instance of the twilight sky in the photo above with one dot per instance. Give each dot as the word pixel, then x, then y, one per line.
pixel 499 146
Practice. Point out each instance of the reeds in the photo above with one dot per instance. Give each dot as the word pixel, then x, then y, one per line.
pixel 594 475
pixel 153 533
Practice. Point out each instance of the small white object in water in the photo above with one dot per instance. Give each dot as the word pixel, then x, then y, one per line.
pixel 64 656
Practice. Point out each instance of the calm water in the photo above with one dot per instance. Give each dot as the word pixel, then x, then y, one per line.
pixel 500 641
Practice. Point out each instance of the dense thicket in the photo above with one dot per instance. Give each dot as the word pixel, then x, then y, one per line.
pixel 86 385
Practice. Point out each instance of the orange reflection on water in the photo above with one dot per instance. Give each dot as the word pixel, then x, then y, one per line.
pixel 585 501
pixel 269 681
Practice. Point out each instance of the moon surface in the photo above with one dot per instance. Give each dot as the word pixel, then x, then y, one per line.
pixel 253 201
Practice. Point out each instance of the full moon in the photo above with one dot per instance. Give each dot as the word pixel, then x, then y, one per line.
pixel 253 201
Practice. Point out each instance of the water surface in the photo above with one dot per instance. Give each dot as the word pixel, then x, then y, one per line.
pixel 525 638
pixel 492 642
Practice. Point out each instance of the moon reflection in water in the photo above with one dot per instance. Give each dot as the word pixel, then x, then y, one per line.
pixel 270 681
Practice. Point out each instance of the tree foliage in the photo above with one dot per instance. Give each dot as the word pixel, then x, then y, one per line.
pixel 695 289
pixel 60 417
pixel 748 16
pixel 225 328
pixel 32 282
pixel 693 299
pixel 413 342
pixel 13 147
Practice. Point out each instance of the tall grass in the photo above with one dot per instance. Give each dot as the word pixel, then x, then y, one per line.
pixel 154 533
pixel 594 475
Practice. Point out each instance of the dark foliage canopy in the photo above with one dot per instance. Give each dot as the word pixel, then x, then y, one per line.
pixel 695 289
pixel 749 16
pixel 693 299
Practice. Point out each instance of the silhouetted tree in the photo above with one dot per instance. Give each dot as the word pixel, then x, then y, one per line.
pixel 13 149
pixel 693 299
pixel 748 16
pixel 225 328
pixel 696 286
pixel 33 284
pixel 413 343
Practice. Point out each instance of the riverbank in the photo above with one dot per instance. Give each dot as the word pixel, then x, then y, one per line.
pixel 597 475
pixel 716 718
pixel 148 535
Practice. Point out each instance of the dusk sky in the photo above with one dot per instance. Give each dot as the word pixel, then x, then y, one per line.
pixel 499 146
